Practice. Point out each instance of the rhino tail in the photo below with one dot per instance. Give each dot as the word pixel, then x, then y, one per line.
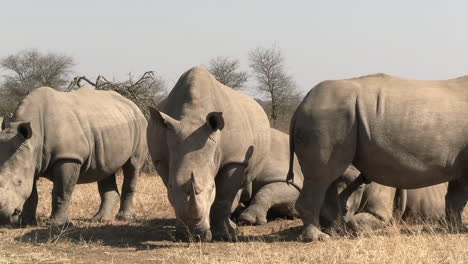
pixel 290 177
pixel 402 195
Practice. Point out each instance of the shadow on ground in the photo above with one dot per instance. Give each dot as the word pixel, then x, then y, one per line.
pixel 152 234
pixel 159 233
pixel 287 235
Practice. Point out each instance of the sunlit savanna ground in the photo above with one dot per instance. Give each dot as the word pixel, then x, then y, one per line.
pixel 150 238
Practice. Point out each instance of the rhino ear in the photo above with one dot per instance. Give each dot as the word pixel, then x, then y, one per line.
pixel 6 120
pixel 163 119
pixel 249 153
pixel 215 121
pixel 24 129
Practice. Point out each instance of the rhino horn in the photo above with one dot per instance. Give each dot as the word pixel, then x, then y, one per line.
pixel 194 207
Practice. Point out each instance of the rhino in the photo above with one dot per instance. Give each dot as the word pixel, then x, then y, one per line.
pixel 78 137
pixel 206 141
pixel 379 204
pixel 398 132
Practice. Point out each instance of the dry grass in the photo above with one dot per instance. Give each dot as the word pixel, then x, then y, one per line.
pixel 149 240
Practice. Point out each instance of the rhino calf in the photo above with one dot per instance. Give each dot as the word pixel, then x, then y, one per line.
pixel 78 137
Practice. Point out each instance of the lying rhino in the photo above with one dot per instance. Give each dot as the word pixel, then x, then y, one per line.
pixel 78 137
pixel 208 142
pixel 398 132
pixel 380 203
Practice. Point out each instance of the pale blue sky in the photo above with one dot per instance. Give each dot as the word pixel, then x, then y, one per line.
pixel 320 39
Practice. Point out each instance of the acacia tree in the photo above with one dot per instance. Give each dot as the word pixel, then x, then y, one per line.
pixel 226 71
pixel 267 65
pixel 31 69
pixel 28 70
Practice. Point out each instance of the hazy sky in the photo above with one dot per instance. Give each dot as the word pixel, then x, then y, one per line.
pixel 320 39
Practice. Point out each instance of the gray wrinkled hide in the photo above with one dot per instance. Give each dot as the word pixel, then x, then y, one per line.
pixel 398 132
pixel 380 204
pixel 207 142
pixel 78 137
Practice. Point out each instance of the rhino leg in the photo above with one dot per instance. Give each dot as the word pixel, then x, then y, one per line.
pixel 109 198
pixel 317 179
pixel 228 183
pixel 65 175
pixel 28 215
pixel 279 196
pixel 455 201
pixel 131 173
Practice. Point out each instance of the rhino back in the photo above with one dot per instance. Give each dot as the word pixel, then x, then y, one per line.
pixel 99 129
pixel 401 126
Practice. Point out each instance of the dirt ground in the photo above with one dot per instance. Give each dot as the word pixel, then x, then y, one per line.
pixel 150 238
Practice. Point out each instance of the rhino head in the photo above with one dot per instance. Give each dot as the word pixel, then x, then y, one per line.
pixel 16 170
pixel 191 164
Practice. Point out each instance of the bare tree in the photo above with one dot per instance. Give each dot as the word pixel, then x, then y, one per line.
pixel 268 69
pixel 31 69
pixel 146 91
pixel 226 71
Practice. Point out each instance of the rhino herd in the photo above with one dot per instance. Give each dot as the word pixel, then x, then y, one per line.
pixel 218 157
